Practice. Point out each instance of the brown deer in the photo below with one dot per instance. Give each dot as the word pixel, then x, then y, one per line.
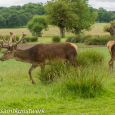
pixel 112 57
pixel 38 54
pixel 111 47
pixel 110 44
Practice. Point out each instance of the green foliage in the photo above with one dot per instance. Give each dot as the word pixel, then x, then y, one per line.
pixel 52 72
pixel 30 39
pixel 24 14
pixel 98 40
pixel 90 39
pixel 77 38
pixel 69 39
pixel 13 20
pixel 23 19
pixel 88 57
pixel 56 39
pixel 85 18
pixel 85 83
pixel 104 15
pixel 2 21
pixel 106 28
pixel 61 15
pixel 7 37
pixel 37 24
pixel 74 17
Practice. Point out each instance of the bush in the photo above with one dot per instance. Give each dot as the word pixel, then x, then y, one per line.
pixel 98 40
pixel 30 39
pixel 69 38
pixel 56 39
pixel 75 39
pixel 88 57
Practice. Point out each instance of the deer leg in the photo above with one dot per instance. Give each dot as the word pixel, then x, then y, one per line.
pixel 112 67
pixel 30 70
pixel 74 61
pixel 111 64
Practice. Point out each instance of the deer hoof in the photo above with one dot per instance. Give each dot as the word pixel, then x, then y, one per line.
pixel 33 82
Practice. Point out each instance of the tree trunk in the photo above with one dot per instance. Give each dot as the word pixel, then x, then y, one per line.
pixel 62 32
pixel 76 32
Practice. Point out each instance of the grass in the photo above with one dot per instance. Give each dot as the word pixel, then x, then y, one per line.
pixel 17 92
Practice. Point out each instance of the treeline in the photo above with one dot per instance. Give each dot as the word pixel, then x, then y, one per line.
pixel 16 16
pixel 103 15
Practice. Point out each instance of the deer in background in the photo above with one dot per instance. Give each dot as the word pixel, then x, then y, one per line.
pixel 38 54
pixel 111 47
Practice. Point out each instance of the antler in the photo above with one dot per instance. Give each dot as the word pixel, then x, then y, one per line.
pixel 17 42
pixel 10 42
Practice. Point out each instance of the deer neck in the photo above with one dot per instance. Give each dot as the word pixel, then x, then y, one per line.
pixel 21 55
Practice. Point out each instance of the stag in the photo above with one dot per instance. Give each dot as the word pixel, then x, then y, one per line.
pixel 40 53
pixel 110 44
pixel 111 47
pixel 112 57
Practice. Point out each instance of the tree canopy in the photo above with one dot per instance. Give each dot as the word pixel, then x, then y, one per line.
pixel 60 15
pixel 71 15
pixel 22 14
pixel 27 11
pixel 37 24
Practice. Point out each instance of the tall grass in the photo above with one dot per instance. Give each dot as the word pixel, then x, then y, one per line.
pixel 77 82
pixel 85 83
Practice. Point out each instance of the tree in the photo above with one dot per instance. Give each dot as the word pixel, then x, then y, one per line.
pixel 104 15
pixel 37 24
pixel 72 15
pixel 86 18
pixel 13 20
pixel 23 19
pixel 60 15
pixel 2 22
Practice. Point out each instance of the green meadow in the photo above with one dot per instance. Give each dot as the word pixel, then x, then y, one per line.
pixel 88 90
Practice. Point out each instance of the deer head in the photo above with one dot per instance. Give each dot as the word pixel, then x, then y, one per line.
pixel 11 47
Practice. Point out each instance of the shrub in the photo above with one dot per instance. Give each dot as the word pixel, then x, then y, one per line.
pixel 98 40
pixel 88 57
pixel 34 39
pixel 75 39
pixel 30 39
pixel 56 39
pixel 69 38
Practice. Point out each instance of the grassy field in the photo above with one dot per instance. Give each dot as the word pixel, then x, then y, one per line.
pixel 19 96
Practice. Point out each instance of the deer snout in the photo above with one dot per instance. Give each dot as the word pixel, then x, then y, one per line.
pixel 1 59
